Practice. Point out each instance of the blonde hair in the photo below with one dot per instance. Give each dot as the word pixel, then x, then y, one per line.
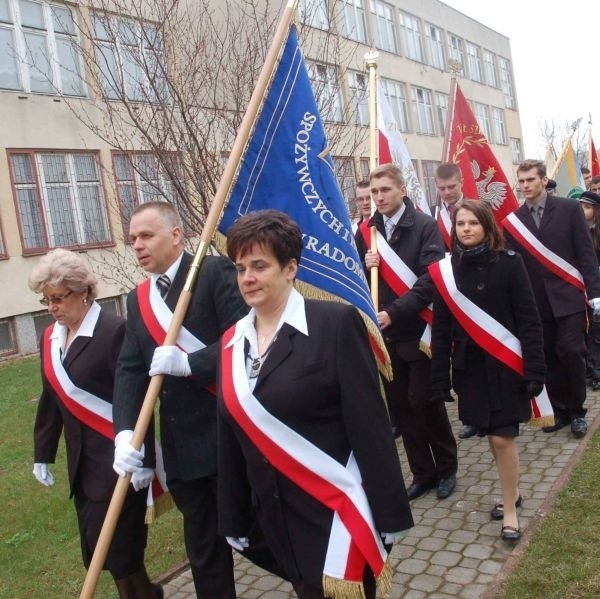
pixel 62 268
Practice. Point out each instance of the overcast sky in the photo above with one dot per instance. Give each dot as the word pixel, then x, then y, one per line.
pixel 556 58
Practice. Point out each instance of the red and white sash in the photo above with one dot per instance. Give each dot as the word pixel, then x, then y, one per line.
pixel 488 333
pixel 400 278
pixel 354 540
pixel 91 410
pixel 445 225
pixel 553 262
pixel 157 318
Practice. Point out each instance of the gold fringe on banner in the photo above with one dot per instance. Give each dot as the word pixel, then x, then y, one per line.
pixel 160 506
pixel 541 421
pixel 337 588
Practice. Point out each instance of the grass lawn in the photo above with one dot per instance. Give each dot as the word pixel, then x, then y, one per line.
pixel 39 543
pixel 563 558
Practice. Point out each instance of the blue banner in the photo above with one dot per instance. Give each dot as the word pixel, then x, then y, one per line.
pixel 287 167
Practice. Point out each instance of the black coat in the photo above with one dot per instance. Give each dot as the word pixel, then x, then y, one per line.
pixel 564 231
pixel 187 409
pixel 490 394
pixel 418 242
pixel 325 387
pixel 90 364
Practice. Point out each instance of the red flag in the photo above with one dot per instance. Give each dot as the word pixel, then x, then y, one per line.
pixel 483 177
pixel 594 160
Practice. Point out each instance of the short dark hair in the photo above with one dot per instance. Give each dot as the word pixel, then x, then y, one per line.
pixel 270 229
pixel 485 215
pixel 585 170
pixel 447 170
pixel 363 184
pixel 530 163
pixel 596 179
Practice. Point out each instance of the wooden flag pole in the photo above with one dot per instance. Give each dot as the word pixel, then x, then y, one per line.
pixel 371 64
pixel 210 226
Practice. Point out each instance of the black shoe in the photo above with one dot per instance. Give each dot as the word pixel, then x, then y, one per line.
pixel 158 591
pixel 595 385
pixel 579 427
pixel 510 533
pixel 417 489
pixel 445 486
pixel 497 512
pixel 396 432
pixel 468 431
pixel 559 422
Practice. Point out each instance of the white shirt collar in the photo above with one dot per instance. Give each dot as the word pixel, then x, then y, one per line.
pixel 86 328
pixel 293 314
pixel 170 272
pixel 397 216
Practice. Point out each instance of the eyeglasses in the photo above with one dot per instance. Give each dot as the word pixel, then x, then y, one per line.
pixel 55 299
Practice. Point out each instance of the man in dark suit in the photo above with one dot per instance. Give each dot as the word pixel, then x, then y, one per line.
pixel 559 225
pixel 187 407
pixel 415 409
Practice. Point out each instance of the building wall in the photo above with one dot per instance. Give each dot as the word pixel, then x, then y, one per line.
pixel 43 121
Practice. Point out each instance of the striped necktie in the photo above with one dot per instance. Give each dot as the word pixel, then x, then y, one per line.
pixel 163 283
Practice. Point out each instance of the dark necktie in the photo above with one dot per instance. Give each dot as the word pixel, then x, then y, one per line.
pixel 163 283
pixel 389 228
pixel 536 212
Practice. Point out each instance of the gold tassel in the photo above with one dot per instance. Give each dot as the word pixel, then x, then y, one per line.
pixel 425 349
pixel 541 421
pixel 160 506
pixel 338 588
pixel 384 580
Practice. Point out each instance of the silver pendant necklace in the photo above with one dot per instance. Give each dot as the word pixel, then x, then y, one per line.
pixel 257 363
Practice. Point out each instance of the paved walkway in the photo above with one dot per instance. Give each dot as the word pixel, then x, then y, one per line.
pixel 454 549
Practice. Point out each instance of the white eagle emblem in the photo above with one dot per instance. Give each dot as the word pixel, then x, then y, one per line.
pixel 493 192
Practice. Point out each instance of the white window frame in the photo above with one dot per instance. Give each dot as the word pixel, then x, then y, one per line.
pixel 358 86
pixel 325 83
pixel 354 24
pixel 423 110
pixel 435 45
pixel 516 149
pixel 41 187
pixel 20 52
pixel 456 50
pixel 395 92
pixel 483 119
pixel 345 173
pixel 386 37
pixel 506 81
pixel 140 48
pixel 499 126
pixel 474 60
pixel 413 40
pixel 314 13
pixel 489 62
pixel 441 104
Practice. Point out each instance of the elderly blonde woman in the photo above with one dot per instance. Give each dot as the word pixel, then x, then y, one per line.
pixel 78 356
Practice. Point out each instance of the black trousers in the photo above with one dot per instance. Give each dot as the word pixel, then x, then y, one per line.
pixel 210 555
pixel 592 341
pixel 565 353
pixel 422 418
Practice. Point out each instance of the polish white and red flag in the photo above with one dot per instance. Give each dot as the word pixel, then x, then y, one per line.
pixel 392 149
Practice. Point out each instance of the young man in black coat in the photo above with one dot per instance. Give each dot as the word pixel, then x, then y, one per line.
pixel 418 412
pixel 559 225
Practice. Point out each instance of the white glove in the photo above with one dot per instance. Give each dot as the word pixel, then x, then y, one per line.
pixel 389 538
pixel 595 305
pixel 239 543
pixel 127 458
pixel 169 359
pixel 142 478
pixel 43 475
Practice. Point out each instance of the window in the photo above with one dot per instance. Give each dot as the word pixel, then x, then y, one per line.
pixel 441 101
pixel 326 87
pixel 413 45
pixel 60 201
pixel 314 13
pixel 499 126
pixel 455 51
pixel 358 84
pixel 507 83
pixel 346 177
pixel 130 58
pixel 41 321
pixel 385 26
pixel 353 23
pixel 481 114
pixel 394 91
pixel 475 66
pixel 39 48
pixel 8 344
pixel 142 178
pixel 430 188
pixel 111 305
pixel 516 150
pixel 489 62
pixel 365 168
pixel 435 46
pixel 423 108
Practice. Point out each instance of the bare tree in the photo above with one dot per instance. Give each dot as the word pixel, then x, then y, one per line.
pixel 556 134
